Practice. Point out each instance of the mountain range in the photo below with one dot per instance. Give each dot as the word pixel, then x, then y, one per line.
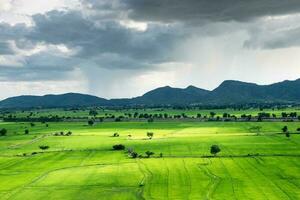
pixel 230 92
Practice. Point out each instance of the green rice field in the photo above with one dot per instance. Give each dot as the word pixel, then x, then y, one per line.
pixel 253 164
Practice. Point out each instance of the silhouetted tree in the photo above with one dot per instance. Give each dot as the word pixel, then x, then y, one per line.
pixel 3 132
pixel 90 122
pixel 149 153
pixel 285 129
pixel 150 135
pixel 116 135
pixel 119 147
pixel 44 147
pixel 214 149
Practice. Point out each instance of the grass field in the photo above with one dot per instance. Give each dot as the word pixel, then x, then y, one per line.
pixel 251 165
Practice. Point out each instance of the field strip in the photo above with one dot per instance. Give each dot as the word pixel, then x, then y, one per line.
pixel 148 177
pixel 232 156
pixel 142 182
pixel 188 178
pixel 14 192
pixel 269 180
pixel 250 178
pixel 215 180
pixel 232 182
pixel 16 146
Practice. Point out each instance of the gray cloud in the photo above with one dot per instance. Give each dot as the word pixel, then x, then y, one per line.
pixel 5 48
pixel 106 44
pixel 274 37
pixel 41 66
pixel 208 10
pixel 76 31
pixel 184 31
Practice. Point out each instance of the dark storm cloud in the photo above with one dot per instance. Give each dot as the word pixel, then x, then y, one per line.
pixel 208 10
pixel 105 44
pixel 96 37
pixel 76 31
pixel 42 66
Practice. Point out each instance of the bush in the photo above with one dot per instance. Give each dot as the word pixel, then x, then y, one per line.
pixel 44 147
pixel 150 135
pixel 116 135
pixel 68 133
pixel 214 149
pixel 134 154
pixel 3 132
pixel 26 131
pixel 149 153
pixel 285 129
pixel 119 147
pixel 91 122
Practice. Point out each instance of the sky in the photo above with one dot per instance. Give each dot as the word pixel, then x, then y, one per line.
pixel 124 48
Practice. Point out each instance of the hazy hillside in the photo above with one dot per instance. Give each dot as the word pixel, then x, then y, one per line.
pixel 229 92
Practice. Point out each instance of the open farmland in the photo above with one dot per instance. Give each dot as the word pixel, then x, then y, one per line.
pixel 253 163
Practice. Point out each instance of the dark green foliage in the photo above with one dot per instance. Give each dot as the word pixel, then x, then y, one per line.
pixel 214 149
pixel 91 122
pixel 116 135
pixel 119 147
pixel 150 135
pixel 285 129
pixel 26 131
pixel 3 132
pixel 134 154
pixel 150 120
pixel 149 153
pixel 93 112
pixel 69 133
pixel 44 147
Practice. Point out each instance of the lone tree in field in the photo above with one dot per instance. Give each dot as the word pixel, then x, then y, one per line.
pixel 119 147
pixel 44 147
pixel 214 149
pixel 285 129
pixel 287 134
pixel 149 153
pixel 116 135
pixel 150 135
pixel 26 131
pixel 3 132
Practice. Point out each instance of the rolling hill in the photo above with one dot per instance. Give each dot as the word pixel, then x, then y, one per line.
pixel 228 93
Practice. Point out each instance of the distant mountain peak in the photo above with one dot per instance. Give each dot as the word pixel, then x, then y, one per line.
pixel 229 92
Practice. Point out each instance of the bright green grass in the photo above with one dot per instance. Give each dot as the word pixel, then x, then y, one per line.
pixel 83 166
